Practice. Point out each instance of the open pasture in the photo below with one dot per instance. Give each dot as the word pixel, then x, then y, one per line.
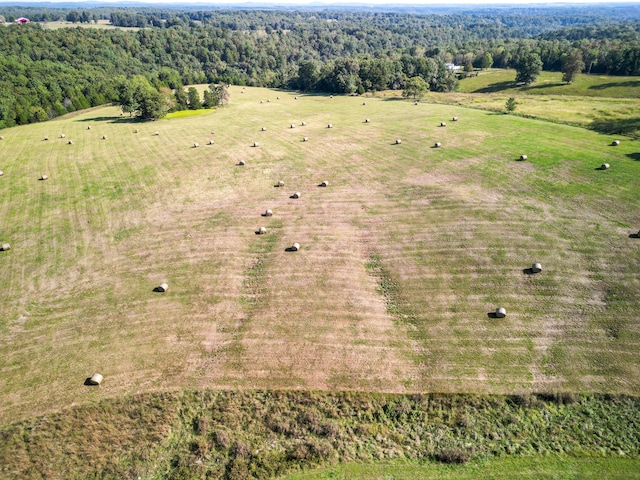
pixel 402 256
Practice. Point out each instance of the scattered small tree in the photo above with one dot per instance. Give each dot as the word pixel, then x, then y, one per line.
pixel 219 95
pixel 468 67
pixel 572 66
pixel 181 99
pixel 207 99
pixel 194 99
pixel 528 68
pixel 487 61
pixel 510 106
pixel 415 88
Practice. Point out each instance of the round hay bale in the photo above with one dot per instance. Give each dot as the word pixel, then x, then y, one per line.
pixel 454 119
pixel 295 247
pixel 536 268
pixel 262 230
pixel 43 177
pixel 95 379
pixel 330 96
pixel 255 144
pixel 415 103
pixel 241 91
pixel 296 195
pixel 70 142
pixel 264 129
pixel 398 141
pixel 268 213
pixel 261 101
pixel 136 131
pixel 364 103
pixel 366 120
pixel 196 145
pixel 325 183
pixel 1 137
pixel 5 247
pixel 615 143
pixel 156 133
pixel 46 138
pixel 305 139
pixel 104 137
pixel 89 127
pixel 277 98
pixel 163 287
pixel 443 124
pixel 295 98
pixel 304 124
pixel 1 173
pixel 605 166
pixel 241 162
pixel 211 142
pixel 501 312
pixel 62 135
pixel 292 126
pixel 523 157
pixel 280 183
pixel 329 126
pixel 437 145
pixel 269 101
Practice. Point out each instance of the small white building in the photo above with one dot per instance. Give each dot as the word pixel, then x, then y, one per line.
pixel 452 66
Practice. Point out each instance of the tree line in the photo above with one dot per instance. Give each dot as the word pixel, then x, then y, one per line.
pixel 46 73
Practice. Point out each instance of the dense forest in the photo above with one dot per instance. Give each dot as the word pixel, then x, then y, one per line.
pixel 45 73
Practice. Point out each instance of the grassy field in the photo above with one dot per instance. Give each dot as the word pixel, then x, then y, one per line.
pixel 550 83
pixel 602 103
pixel 534 468
pixel 403 255
pixel 102 24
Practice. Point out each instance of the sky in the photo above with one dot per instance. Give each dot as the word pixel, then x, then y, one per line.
pixel 214 3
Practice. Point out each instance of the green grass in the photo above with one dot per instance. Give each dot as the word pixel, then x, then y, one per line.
pixel 186 114
pixel 602 103
pixel 547 467
pixel 550 83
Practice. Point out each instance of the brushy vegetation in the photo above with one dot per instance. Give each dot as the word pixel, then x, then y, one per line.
pixel 263 434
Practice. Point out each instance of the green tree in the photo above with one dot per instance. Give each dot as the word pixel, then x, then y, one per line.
pixel 194 99
pixel 468 67
pixel 415 87
pixel 487 61
pixel 572 66
pixel 181 99
pixel 308 75
pixel 207 99
pixel 528 68
pixel 510 106
pixel 126 99
pixel 220 94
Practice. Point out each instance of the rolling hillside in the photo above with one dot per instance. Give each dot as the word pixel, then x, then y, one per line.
pixel 402 257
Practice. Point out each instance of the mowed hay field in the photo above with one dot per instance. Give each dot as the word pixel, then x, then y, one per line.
pixel 402 256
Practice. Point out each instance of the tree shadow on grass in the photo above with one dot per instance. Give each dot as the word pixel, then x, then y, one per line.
pixel 604 86
pixel 111 120
pixel 540 87
pixel 634 156
pixel 617 126
pixel 497 87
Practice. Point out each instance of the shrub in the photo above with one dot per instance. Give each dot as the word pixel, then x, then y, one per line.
pixel 453 455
